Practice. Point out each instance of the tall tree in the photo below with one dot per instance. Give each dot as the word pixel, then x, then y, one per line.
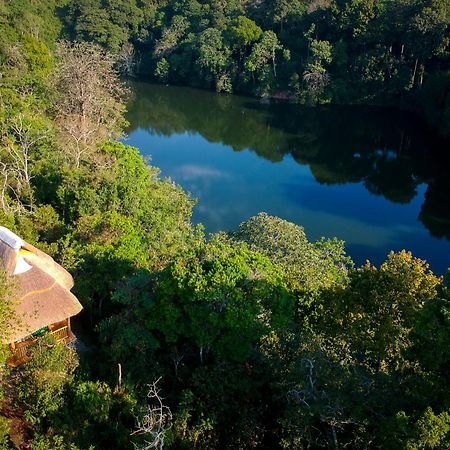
pixel 214 57
pixel 89 99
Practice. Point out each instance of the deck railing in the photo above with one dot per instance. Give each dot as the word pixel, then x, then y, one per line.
pixel 20 353
pixel 60 334
pixel 21 349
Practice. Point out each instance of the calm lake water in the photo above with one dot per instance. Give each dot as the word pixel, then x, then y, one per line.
pixel 375 178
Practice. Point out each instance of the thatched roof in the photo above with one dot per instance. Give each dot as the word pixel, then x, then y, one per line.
pixel 8 257
pixel 43 287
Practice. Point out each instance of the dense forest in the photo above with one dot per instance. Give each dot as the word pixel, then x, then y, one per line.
pixel 310 51
pixel 249 338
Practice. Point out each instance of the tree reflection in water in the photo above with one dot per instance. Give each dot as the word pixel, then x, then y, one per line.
pixel 389 152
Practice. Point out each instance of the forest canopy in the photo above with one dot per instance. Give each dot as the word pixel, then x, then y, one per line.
pixel 340 51
pixel 250 338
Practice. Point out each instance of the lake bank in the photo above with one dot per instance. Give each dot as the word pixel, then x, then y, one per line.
pixel 370 176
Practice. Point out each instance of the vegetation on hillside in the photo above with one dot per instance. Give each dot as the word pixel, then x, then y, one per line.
pixel 341 51
pixel 255 338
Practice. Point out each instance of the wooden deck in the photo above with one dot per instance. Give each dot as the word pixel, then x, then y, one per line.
pixel 21 353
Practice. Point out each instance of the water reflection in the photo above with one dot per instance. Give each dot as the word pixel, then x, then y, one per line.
pixel 392 155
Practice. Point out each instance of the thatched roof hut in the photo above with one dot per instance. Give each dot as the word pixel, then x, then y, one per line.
pixel 43 294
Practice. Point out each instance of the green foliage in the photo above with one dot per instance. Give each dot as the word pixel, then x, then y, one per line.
pixel 219 294
pixel 127 219
pixel 38 19
pixel 5 425
pixel 162 70
pixel 351 360
pixel 171 36
pixel 209 298
pixel 243 31
pixel 377 310
pixel 55 442
pixel 93 399
pixel 43 380
pixel 431 431
pixel 431 336
pixel 355 51
pixel 309 267
pixel 315 74
pixel 285 11
pixel 263 338
pixel 111 24
pixel 320 54
pixel 214 56
pixel 262 56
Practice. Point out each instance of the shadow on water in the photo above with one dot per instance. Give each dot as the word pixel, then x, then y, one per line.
pixel 390 153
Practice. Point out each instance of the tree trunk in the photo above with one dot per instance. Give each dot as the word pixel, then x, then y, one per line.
pixel 335 441
pixel 413 79
pixel 273 64
pixel 422 72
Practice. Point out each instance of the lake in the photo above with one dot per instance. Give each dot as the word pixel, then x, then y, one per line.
pixel 376 178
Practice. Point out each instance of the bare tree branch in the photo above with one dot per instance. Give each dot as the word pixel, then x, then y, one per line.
pixel 89 103
pixel 155 422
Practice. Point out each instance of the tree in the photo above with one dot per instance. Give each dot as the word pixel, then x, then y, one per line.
pixel 162 70
pixel 216 293
pixel 23 137
pixel 431 336
pixel 211 296
pixel 315 74
pixel 155 421
pixel 124 218
pixel 109 247
pixel 376 312
pixel 42 381
pixel 214 55
pixel 427 37
pixel 430 431
pixel 309 267
pixel 354 16
pixel 171 37
pixel 89 95
pixel 243 31
pixel 321 409
pixel 127 63
pixel 283 11
pixel 112 24
pixel 352 371
pixel 264 52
